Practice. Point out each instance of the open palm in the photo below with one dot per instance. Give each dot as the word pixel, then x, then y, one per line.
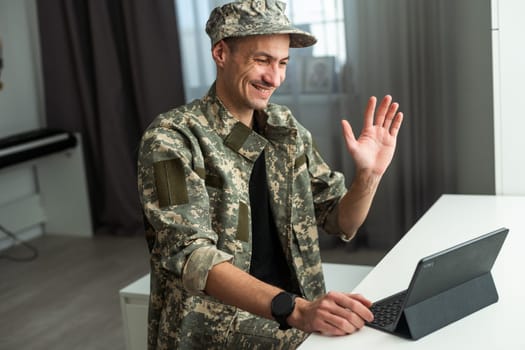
pixel 375 147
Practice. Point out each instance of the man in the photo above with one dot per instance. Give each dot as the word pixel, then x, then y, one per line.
pixel 233 191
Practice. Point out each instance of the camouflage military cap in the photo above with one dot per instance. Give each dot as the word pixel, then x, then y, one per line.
pixel 254 17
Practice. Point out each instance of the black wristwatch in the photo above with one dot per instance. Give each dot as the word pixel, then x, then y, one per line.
pixel 283 305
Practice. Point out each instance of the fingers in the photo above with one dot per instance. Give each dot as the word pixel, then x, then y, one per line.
pixel 336 325
pixel 393 119
pixel 390 114
pixel 347 130
pixel 340 314
pixel 386 116
pixel 394 128
pixel 348 135
pixel 382 110
pixel 362 299
pixel 369 112
pixel 359 305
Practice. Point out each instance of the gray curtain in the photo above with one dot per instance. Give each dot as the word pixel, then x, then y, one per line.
pixel 110 66
pixel 434 57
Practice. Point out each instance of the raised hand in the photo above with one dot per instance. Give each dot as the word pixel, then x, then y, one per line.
pixel 375 147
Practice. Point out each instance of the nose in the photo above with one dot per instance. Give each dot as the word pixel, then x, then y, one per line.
pixel 274 75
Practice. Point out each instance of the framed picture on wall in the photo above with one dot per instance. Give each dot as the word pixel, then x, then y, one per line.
pixel 318 74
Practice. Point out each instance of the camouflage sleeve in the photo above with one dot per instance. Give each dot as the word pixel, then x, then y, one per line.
pixel 328 187
pixel 176 204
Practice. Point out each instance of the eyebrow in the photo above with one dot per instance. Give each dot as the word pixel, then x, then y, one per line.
pixel 265 54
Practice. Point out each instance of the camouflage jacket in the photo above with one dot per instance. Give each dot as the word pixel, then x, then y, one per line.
pixel 193 173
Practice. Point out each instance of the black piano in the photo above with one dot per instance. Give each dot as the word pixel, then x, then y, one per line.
pixel 33 144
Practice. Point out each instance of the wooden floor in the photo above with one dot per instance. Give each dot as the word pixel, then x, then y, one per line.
pixel 67 298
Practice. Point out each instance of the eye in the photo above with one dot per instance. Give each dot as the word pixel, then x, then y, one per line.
pixel 262 60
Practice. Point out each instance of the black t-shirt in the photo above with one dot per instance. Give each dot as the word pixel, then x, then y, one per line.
pixel 268 261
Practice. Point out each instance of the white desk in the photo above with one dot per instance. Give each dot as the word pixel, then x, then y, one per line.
pixel 451 220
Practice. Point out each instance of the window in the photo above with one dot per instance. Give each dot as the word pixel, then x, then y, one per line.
pixel 325 20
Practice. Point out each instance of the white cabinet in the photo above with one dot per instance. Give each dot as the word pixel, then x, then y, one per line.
pixel 60 200
pixel 134 301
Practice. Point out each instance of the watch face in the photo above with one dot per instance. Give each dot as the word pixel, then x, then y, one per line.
pixel 283 304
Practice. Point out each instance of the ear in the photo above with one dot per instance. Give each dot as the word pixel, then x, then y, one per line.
pixel 219 53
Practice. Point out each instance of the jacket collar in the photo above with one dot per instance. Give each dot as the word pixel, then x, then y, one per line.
pixel 238 136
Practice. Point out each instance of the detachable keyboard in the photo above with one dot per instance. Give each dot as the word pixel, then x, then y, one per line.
pixel 386 311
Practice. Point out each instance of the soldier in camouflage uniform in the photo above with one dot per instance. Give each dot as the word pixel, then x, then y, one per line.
pixel 196 183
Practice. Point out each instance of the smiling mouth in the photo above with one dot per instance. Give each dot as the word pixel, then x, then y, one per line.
pixel 263 88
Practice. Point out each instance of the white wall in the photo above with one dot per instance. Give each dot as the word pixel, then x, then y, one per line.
pixel 21 100
pixel 509 76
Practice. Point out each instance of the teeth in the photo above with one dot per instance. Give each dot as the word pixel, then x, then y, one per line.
pixel 261 89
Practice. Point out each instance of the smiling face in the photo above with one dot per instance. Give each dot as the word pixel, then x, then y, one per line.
pixel 249 70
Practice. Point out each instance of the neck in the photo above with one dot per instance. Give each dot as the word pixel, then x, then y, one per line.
pixel 244 115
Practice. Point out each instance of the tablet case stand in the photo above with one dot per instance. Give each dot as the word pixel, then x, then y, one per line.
pixel 446 307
